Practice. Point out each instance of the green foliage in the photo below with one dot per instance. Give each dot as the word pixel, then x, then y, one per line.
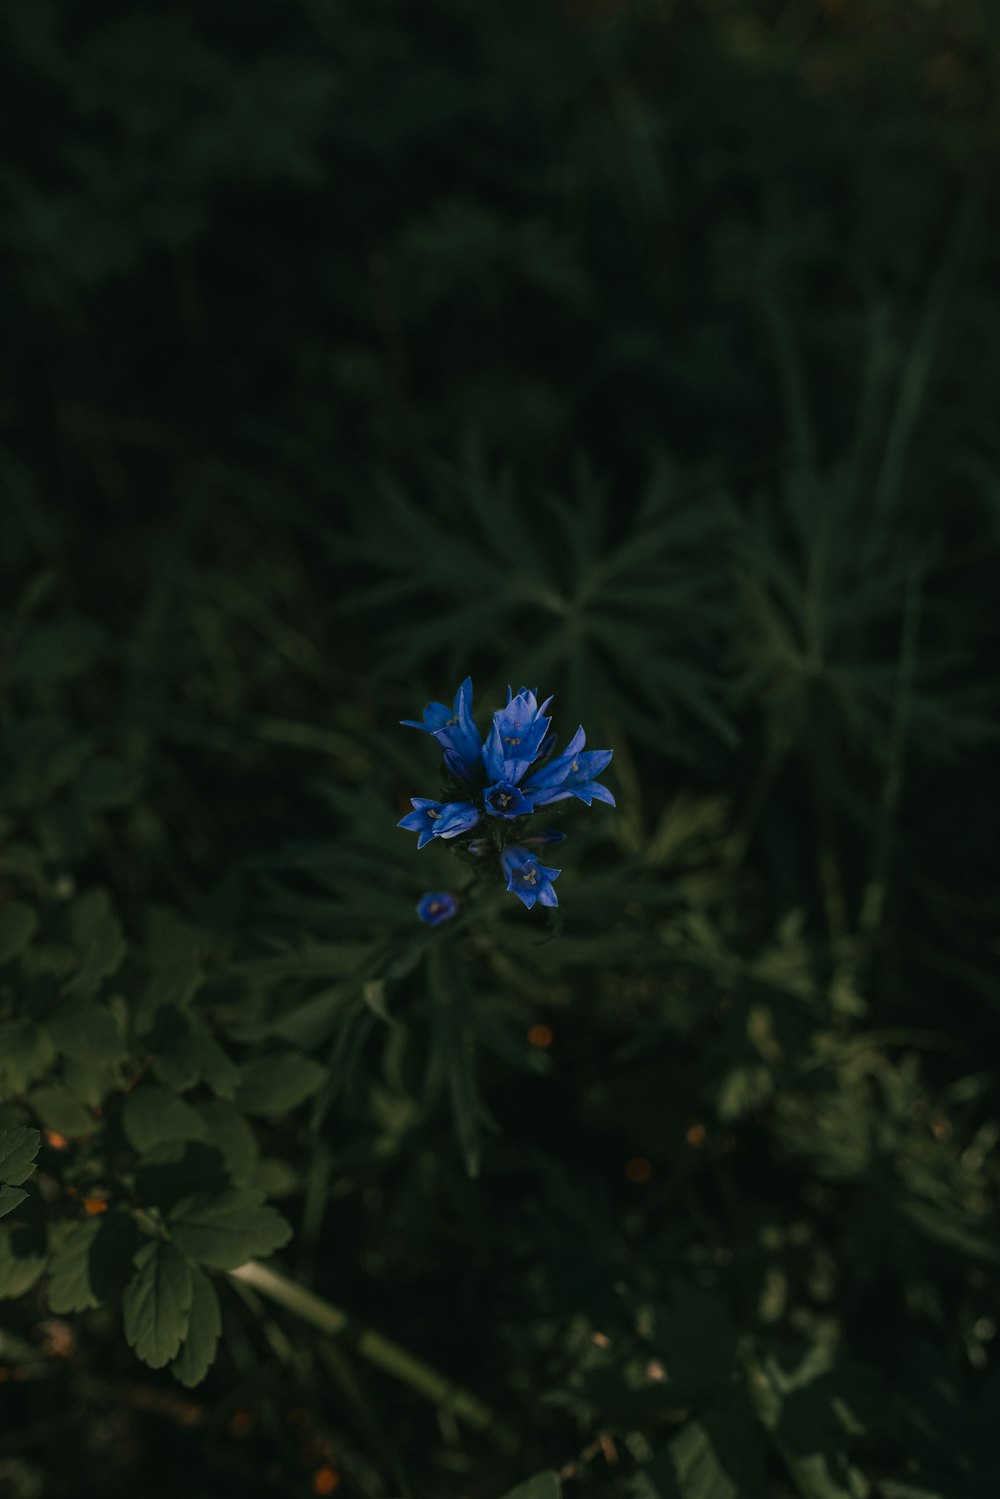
pixel 645 354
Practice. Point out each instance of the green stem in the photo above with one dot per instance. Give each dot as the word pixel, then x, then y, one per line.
pixel 372 1346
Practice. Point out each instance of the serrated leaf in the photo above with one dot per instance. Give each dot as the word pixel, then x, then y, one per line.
pixel 22 1259
pixel 226 1231
pixel 18 1148
pixel 88 1264
pixel 204 1330
pixel 99 941
pixel 543 1486
pixel 153 1116
pixel 156 1306
pixel 84 1029
pixel 70 1289
pixel 10 1198
pixel 18 924
pixel 276 1084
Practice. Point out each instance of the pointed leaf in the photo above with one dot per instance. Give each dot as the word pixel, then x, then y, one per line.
pixel 157 1303
pixel 204 1329
pixel 18 1148
pixel 10 1198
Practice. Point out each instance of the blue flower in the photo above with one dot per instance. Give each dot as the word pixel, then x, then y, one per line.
pixel 516 737
pixel 507 776
pixel 438 819
pixel 526 878
pixel 436 907
pixel 454 729
pixel 571 774
pixel 504 799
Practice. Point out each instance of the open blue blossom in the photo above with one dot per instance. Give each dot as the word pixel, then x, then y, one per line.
pixel 454 729
pixel 438 819
pixel 527 879
pixel 517 734
pixel 505 778
pixel 504 799
pixel 435 907
pixel 573 773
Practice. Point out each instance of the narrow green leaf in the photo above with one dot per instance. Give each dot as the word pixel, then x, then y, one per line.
pixel 227 1230
pixel 156 1305
pixel 204 1330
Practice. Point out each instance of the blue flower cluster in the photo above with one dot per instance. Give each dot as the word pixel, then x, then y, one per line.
pixel 508 775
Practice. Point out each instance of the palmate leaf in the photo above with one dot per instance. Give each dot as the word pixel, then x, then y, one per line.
pixel 566 588
pixel 225 1231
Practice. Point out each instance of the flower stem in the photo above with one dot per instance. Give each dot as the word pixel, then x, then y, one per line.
pixel 372 1346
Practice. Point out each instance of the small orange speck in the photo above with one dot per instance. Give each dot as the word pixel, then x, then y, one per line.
pixel 638 1170
pixel 696 1135
pixel 325 1480
pixel 240 1423
pixel 601 1339
pixel 55 1139
pixel 541 1036
pixel 655 1372
pixel 94 1205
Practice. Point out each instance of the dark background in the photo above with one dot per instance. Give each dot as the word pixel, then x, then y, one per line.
pixel 645 352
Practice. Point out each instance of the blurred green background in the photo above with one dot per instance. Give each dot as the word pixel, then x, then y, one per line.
pixel 645 351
